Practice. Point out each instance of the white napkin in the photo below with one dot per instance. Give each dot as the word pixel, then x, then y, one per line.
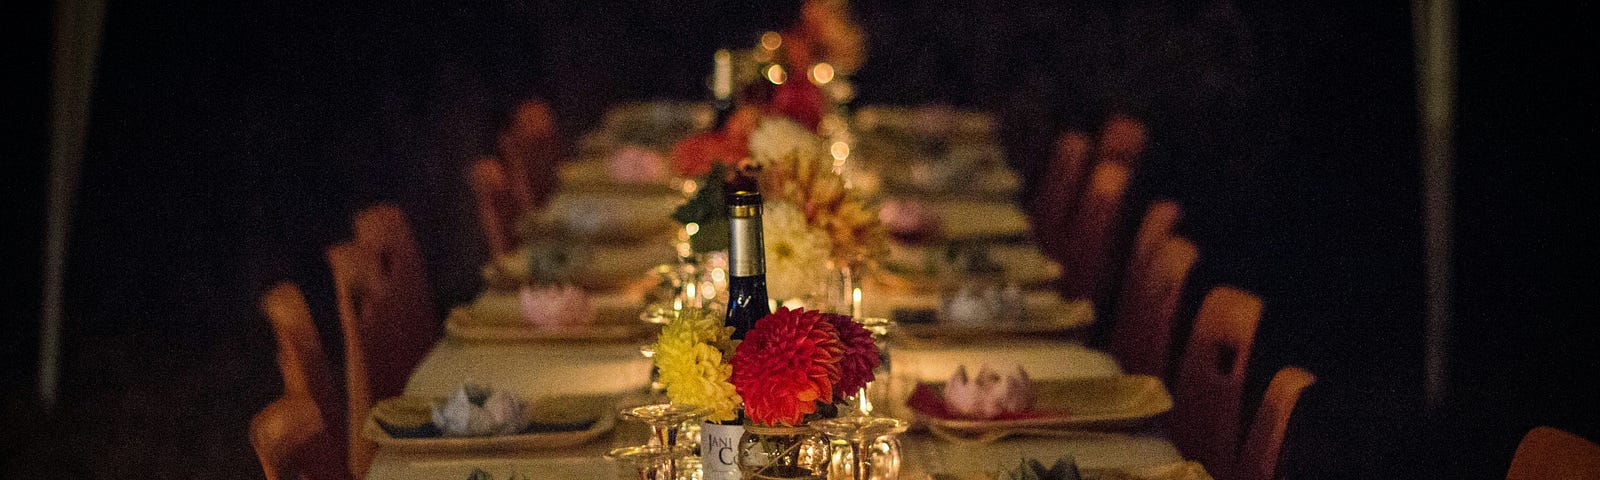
pixel 473 411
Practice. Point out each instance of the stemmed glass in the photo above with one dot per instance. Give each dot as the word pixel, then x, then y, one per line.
pixel 863 459
pixel 666 424
pixel 652 462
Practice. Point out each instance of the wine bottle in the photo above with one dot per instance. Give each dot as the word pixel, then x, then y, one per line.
pixel 747 303
pixel 747 282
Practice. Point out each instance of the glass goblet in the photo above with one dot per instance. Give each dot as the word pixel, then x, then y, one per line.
pixel 666 426
pixel 863 447
pixel 651 462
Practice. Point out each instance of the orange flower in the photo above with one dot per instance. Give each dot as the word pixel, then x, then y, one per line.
pixel 786 364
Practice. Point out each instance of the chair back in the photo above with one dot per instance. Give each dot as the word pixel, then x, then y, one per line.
pixel 1260 454
pixel 1122 140
pixel 1141 328
pixel 1204 421
pixel 1552 453
pixel 386 312
pixel 1053 204
pixel 1089 238
pixel 1160 218
pixel 531 153
pixel 291 443
pixel 498 207
pixel 301 359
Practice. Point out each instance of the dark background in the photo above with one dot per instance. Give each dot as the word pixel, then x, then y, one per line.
pixel 229 144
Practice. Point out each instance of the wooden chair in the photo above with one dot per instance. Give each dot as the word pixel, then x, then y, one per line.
pixel 1551 453
pixel 1089 237
pixel 291 442
pixel 1160 218
pixel 1141 328
pixel 498 206
pixel 1122 140
pixel 386 313
pixel 1259 456
pixel 301 359
pixel 1053 205
pixel 531 153
pixel 1204 421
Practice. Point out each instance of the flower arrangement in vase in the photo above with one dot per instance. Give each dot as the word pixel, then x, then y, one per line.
pixel 794 366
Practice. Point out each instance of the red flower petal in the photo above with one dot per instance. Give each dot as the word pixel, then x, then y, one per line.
pixel 787 362
pixel 860 356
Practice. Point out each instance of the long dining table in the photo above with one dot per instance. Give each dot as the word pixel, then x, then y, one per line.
pixel 536 369
pixel 619 369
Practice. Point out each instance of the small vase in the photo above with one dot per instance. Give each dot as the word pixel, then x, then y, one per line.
pixel 775 452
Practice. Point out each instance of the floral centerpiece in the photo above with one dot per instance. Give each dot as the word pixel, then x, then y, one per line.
pixel 793 364
pixel 812 224
pixel 691 355
pixel 796 360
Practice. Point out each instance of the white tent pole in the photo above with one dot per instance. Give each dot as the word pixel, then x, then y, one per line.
pixel 1434 24
pixel 78 25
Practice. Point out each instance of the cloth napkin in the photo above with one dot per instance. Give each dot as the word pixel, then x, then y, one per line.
pixel 473 411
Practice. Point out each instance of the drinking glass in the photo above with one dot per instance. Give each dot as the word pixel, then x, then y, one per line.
pixel 862 447
pixel 666 421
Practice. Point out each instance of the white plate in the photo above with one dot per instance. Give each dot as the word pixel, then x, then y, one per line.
pixel 594 176
pixel 497 317
pixel 615 216
pixel 976 219
pixel 602 267
pixel 1093 403
pixel 917 267
pixel 604 421
pixel 1044 312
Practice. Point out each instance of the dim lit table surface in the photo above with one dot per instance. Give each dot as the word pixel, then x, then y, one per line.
pixel 534 369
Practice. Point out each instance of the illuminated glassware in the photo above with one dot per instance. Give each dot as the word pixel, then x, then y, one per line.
pixel 666 423
pixel 862 447
pixel 778 452
pixel 651 462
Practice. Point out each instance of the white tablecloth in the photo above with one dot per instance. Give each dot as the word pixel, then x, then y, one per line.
pixel 532 370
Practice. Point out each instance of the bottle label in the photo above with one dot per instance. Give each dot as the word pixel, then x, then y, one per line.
pixel 719 449
pixel 745 253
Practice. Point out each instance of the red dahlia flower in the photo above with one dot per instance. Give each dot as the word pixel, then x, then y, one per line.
pixel 786 363
pixel 860 356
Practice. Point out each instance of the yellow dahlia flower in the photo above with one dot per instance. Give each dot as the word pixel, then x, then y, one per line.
pixel 690 356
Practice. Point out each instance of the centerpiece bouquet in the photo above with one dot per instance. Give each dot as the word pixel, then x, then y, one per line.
pixel 793 364
pixel 815 228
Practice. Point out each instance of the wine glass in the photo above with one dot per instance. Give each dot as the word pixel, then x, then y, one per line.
pixel 652 462
pixel 666 425
pixel 871 453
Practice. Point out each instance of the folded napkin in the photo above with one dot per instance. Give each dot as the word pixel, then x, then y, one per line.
pixel 470 406
pixel 474 411
pixel 909 219
pixel 1065 468
pixel 988 396
pixel 633 164
pixel 556 305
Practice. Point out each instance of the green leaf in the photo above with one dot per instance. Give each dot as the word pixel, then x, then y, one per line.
pixel 708 208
